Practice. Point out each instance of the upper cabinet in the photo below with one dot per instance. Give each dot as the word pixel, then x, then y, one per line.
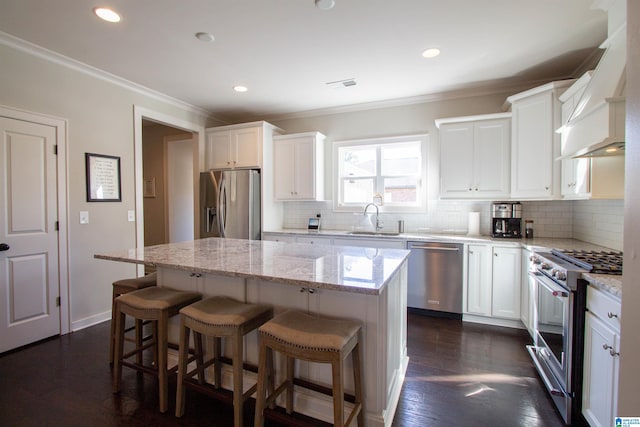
pixel 474 156
pixel 298 162
pixel 236 146
pixel 535 146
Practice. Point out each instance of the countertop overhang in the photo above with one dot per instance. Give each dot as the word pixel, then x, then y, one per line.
pixel 342 268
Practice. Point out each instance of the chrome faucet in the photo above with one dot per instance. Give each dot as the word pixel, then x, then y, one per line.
pixel 379 223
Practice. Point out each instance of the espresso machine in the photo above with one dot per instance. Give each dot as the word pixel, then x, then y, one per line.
pixel 506 221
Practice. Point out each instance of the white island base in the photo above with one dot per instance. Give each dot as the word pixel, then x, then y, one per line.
pixel 384 349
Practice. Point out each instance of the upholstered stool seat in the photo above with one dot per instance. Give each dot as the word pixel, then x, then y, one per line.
pixel 299 335
pixel 124 286
pixel 218 317
pixel 156 304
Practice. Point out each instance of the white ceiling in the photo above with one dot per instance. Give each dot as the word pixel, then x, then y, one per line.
pixel 285 51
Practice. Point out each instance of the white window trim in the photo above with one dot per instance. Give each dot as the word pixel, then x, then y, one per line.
pixel 422 189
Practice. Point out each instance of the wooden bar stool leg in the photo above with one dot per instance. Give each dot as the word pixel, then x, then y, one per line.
pixel 139 334
pixel 217 365
pixel 262 380
pixel 199 349
pixel 163 348
pixel 290 372
pixel 119 348
pixel 338 392
pixel 112 339
pixel 238 397
pixel 357 381
pixel 183 357
pixel 271 380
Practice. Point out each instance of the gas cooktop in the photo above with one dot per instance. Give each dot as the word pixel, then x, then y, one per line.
pixel 600 262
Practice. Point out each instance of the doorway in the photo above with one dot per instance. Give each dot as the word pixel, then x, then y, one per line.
pixel 154 133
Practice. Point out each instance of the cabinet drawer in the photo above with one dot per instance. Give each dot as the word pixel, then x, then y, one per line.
pixel 605 307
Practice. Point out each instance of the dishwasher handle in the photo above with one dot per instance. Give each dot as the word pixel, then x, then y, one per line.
pixel 435 248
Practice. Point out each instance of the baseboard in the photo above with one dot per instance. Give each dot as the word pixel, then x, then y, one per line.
pixel 90 321
pixel 517 324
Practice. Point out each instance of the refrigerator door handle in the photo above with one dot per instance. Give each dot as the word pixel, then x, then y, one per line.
pixel 211 218
pixel 222 207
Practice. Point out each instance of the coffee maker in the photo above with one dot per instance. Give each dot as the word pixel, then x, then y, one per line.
pixel 506 221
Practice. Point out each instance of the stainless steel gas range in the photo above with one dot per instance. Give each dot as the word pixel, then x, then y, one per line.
pixel 561 294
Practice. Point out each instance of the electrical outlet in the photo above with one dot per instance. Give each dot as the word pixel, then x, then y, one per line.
pixel 131 216
pixel 84 217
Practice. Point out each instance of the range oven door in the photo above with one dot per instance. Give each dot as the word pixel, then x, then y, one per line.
pixel 553 350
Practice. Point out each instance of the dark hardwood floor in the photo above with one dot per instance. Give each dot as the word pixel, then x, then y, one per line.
pixel 459 375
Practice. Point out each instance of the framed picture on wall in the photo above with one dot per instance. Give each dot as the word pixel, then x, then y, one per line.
pixel 149 187
pixel 103 178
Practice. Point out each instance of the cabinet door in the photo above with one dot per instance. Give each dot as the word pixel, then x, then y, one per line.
pixel 479 280
pixel 532 155
pixel 246 147
pixel 456 160
pixel 600 388
pixel 507 265
pixel 576 178
pixel 283 166
pixel 304 168
pixel 492 142
pixel 218 153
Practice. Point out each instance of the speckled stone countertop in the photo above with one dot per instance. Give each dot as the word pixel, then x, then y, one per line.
pixel 604 282
pixel 349 269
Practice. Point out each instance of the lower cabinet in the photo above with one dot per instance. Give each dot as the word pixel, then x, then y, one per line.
pixel 601 359
pixel 527 293
pixel 493 281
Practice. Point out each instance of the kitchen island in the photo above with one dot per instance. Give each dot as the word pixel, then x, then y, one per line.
pixel 366 284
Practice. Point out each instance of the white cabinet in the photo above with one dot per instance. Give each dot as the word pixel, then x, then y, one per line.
pixel 298 162
pixel 506 279
pixel 236 146
pixel 370 243
pixel 478 300
pixel 576 182
pixel 601 358
pixel 475 156
pixel 535 146
pixel 493 281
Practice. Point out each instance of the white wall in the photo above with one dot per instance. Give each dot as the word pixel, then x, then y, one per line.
pixel 629 390
pixel 100 120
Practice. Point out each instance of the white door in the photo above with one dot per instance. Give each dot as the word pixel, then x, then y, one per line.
pixel 29 280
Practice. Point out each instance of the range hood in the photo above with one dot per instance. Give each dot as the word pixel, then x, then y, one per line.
pixel 596 126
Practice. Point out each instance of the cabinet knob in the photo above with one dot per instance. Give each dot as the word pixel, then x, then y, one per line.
pixel 546 188
pixel 470 189
pixel 476 189
pixel 495 254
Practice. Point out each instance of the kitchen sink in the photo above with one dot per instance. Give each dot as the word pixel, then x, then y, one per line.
pixel 373 233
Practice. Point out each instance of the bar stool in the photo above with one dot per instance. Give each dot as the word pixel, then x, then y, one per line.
pixel 121 287
pixel 218 317
pixel 298 335
pixel 157 304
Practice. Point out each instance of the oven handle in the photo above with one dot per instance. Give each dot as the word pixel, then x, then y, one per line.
pixel 547 383
pixel 556 290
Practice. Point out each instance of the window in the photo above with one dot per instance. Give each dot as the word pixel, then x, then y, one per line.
pixel 393 168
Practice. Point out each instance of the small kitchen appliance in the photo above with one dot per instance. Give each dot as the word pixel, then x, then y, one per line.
pixel 506 220
pixel 560 301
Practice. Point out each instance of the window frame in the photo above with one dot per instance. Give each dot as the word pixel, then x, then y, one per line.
pixel 420 206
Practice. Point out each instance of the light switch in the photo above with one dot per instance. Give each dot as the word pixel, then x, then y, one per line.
pixel 84 217
pixel 131 216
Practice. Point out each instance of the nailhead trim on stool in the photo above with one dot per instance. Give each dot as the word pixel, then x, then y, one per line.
pixel 218 317
pixel 299 335
pixel 121 287
pixel 157 304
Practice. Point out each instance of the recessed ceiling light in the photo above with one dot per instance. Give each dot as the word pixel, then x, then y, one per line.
pixel 431 52
pixel 106 14
pixel 325 4
pixel 240 88
pixel 204 37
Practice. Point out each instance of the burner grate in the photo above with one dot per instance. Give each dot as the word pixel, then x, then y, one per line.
pixel 601 262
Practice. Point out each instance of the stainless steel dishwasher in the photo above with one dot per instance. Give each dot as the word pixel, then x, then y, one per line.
pixel 435 276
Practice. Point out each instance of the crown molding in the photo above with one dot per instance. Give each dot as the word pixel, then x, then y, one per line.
pixel 59 59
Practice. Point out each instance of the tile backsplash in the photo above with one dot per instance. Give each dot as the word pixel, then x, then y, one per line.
pixel 595 221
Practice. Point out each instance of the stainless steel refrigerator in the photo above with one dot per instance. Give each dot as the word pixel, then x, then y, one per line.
pixel 230 204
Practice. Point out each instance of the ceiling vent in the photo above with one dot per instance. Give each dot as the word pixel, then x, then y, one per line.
pixel 340 84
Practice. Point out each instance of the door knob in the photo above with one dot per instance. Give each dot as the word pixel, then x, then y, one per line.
pixel 4 247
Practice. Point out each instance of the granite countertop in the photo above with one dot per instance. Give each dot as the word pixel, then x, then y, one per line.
pixel 611 284
pixel 349 269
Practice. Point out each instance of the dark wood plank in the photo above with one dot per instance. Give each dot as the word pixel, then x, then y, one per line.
pixel 459 375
